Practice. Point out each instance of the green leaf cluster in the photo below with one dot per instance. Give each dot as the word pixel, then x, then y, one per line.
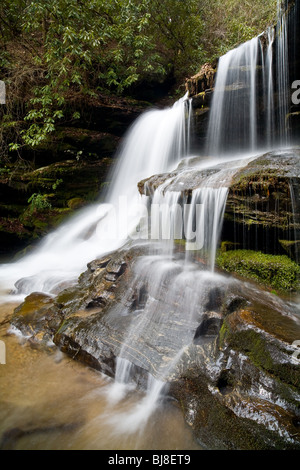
pixel 56 54
pixel 38 203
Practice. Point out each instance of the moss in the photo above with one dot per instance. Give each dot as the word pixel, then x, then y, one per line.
pixel 180 242
pixel 68 297
pixel 276 271
pixel 251 342
pixel 76 202
pixel 32 304
pixel 223 334
pixel 216 425
pixel 255 346
pixel 228 246
pixel 291 247
pixel 62 327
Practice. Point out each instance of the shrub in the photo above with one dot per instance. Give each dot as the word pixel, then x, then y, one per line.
pixel 38 203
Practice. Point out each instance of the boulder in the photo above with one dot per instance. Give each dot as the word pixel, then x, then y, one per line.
pixel 229 357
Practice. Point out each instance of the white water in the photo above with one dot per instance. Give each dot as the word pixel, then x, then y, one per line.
pixel 282 75
pixel 268 87
pixel 208 226
pixel 233 116
pixel 174 290
pixel 155 143
pixel 247 76
pixel 161 330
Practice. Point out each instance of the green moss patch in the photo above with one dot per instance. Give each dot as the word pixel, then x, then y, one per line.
pixel 278 272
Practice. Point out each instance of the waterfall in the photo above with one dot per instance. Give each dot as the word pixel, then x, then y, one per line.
pixel 268 86
pixel 247 76
pixel 174 290
pixel 233 116
pixel 282 74
pixel 171 290
pixel 166 217
pixel 155 144
pixel 208 223
pixel 162 328
pixel 196 222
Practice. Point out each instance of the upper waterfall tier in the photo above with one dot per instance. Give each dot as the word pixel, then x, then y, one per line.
pixel 250 101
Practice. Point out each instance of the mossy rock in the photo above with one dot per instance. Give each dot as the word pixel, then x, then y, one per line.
pixel 292 248
pixel 216 423
pixel 266 339
pixel 36 316
pixel 263 203
pixel 275 271
pixel 75 203
pixel 66 186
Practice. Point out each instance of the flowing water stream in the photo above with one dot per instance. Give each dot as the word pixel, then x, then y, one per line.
pixel 51 402
pixel 112 414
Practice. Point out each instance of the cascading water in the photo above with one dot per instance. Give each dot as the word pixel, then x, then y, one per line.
pixel 172 290
pixel 212 202
pixel 247 76
pixel 155 144
pixel 233 117
pixel 282 74
pixel 268 86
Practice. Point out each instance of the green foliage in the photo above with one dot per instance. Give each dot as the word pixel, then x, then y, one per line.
pixel 235 22
pixel 5 171
pixel 55 54
pixel 57 183
pixel 38 203
pixel 177 29
pixel 279 272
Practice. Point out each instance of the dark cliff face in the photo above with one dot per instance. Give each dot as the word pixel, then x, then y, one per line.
pixel 263 211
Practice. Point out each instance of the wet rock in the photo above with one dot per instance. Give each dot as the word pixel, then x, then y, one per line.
pixel 247 379
pixel 210 325
pixel 232 369
pixel 66 186
pixel 262 210
pixel 10 438
pixel 238 370
pixel 202 81
pixel 36 319
pixel 93 326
